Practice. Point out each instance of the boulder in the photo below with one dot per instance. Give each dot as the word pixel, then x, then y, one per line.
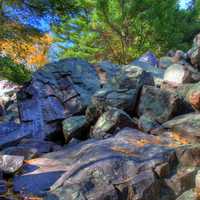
pixel 131 77
pixel 187 126
pixel 183 180
pixel 194 52
pixel 161 105
pixel 147 123
pixel 75 127
pixel 10 164
pixel 177 74
pixel 149 58
pixel 110 122
pixel 124 99
pixel 99 169
pixel 155 72
pixel 106 71
pixel 56 92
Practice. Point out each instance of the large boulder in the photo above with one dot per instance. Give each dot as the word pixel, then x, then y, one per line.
pixel 161 105
pixel 56 92
pixel 100 169
pixel 110 122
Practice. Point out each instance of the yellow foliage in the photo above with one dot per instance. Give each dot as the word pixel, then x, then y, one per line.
pixel 23 44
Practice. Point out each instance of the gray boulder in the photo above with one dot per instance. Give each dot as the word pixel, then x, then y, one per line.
pixel 161 105
pixel 110 122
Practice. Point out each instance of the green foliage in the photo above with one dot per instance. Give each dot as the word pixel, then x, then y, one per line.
pixel 16 73
pixel 120 30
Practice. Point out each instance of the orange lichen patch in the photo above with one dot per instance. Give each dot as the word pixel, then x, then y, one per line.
pixel 178 138
pixel 143 142
pixel 46 165
pixel 124 151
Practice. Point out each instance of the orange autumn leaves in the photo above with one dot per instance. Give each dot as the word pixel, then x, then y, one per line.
pixel 24 44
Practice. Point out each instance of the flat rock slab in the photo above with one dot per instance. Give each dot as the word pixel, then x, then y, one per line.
pixel 95 168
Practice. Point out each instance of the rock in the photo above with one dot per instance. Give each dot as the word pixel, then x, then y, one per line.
pixel 100 169
pixel 189 155
pixel 194 52
pixel 106 71
pixel 188 195
pixel 160 104
pixel 186 126
pixel 8 91
pixel 165 62
pixel 31 148
pixel 12 133
pixel 149 58
pixel 131 77
pixel 183 180
pixel 10 164
pixel 147 123
pixel 110 122
pixel 177 74
pixel 124 99
pixel 156 73
pixel 75 127
pixel 56 92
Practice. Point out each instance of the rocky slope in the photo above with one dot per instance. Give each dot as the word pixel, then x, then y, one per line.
pixel 78 131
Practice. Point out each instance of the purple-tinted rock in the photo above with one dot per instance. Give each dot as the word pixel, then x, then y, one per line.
pixel 149 58
pixel 56 92
pixel 100 169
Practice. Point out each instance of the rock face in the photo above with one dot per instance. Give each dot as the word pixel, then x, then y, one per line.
pixel 56 92
pixel 161 105
pixel 103 169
